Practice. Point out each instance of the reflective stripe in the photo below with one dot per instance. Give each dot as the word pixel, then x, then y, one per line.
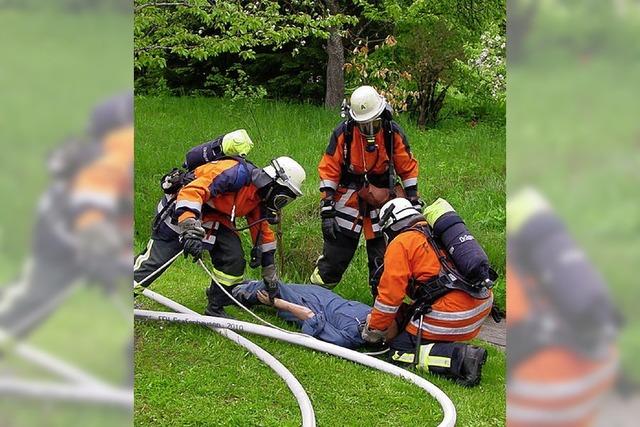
pixel 374 214
pixel 197 206
pixel 441 330
pixel 144 256
pixel 326 183
pixel 348 225
pixel 213 227
pixel 425 360
pixel 564 389
pixel 226 279
pixel 460 315
pixel 93 198
pixel 409 182
pixel 384 308
pixel 342 207
pixel 266 247
pixel 518 412
pixel 375 227
pixel 404 357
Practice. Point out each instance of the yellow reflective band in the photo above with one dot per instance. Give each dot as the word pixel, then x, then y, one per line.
pixel 523 206
pixel 237 143
pixel 436 210
pixel 143 257
pixel 315 277
pixel 404 357
pixel 425 360
pixel 226 279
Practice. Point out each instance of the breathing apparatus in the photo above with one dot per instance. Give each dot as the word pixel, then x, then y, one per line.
pixel 278 185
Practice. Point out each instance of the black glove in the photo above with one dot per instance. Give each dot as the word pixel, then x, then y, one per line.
pixel 330 226
pixel 191 235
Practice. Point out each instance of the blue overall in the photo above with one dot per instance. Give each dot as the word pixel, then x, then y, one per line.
pixel 337 320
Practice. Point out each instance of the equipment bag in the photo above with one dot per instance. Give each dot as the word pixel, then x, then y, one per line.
pixel 233 144
pixel 462 248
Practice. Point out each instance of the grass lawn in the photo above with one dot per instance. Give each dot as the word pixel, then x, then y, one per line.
pixel 188 375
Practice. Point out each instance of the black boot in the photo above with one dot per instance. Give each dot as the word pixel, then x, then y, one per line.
pixel 216 304
pixel 473 358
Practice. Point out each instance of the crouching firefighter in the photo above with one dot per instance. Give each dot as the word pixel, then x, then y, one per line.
pixel 164 246
pixel 367 162
pixel 206 209
pixel 445 307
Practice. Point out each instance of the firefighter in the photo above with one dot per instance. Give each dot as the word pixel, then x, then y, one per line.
pixel 357 176
pixel 562 328
pixel 206 209
pixel 444 314
pixel 164 245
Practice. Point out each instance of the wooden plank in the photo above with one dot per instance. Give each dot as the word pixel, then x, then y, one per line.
pixel 494 333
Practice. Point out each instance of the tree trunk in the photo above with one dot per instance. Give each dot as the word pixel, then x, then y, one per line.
pixel 335 70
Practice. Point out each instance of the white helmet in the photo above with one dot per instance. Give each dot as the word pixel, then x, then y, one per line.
pixel 366 104
pixel 288 173
pixel 397 214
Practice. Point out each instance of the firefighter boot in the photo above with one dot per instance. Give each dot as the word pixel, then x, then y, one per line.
pixel 457 361
pixel 217 300
pixel 472 361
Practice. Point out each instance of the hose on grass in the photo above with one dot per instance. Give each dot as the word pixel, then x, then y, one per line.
pixel 306 409
pixel 449 411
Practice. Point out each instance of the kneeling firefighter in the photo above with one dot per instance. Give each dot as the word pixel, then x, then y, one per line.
pixel 357 176
pixel 446 306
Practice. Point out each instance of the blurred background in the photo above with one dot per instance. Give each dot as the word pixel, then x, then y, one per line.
pixel 572 217
pixel 65 230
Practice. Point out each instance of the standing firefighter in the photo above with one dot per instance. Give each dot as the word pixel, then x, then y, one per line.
pixel 357 176
pixel 206 209
pixel 446 307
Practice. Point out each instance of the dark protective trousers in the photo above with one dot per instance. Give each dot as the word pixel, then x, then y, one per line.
pixel 458 361
pixel 337 255
pixel 227 257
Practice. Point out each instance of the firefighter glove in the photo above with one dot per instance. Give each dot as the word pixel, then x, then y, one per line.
pixel 372 335
pixel 330 226
pixel 191 235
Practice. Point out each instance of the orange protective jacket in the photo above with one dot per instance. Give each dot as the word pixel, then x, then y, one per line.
pixel 374 164
pixel 104 187
pixel 222 191
pixel 456 316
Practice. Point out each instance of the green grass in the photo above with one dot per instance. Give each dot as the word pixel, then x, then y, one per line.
pixel 187 375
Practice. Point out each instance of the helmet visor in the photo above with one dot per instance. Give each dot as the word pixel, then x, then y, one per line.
pixel 370 129
pixel 280 197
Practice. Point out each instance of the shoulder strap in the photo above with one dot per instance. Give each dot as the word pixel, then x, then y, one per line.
pixel 388 146
pixel 346 149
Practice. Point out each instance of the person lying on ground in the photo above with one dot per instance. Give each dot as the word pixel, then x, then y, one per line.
pixel 319 312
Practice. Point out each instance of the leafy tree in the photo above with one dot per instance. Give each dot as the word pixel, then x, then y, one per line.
pixel 432 39
pixel 189 32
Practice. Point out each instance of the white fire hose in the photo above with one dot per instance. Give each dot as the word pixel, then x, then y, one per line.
pixel 449 411
pixel 306 409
